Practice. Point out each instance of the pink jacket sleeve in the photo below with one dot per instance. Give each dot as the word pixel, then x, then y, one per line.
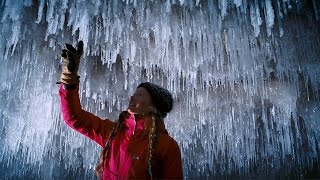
pixel 81 120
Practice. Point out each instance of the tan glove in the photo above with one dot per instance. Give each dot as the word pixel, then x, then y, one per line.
pixel 70 63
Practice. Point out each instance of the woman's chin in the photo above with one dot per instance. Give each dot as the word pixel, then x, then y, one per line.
pixel 131 111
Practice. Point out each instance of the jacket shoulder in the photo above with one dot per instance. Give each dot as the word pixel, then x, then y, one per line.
pixel 166 143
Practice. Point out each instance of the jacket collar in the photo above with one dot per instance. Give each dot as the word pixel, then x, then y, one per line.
pixel 141 125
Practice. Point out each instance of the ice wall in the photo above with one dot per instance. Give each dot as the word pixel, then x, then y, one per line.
pixel 245 76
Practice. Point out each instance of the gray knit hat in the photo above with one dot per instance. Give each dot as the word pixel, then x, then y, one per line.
pixel 161 97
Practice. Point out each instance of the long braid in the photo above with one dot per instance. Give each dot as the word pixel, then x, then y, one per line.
pixel 156 119
pixel 114 130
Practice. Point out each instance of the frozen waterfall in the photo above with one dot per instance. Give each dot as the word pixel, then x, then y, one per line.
pixel 245 75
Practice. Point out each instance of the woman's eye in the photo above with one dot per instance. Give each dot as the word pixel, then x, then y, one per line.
pixel 138 94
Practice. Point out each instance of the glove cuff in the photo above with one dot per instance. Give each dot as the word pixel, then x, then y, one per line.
pixel 69 78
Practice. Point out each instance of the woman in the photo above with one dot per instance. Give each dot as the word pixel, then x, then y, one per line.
pixel 137 146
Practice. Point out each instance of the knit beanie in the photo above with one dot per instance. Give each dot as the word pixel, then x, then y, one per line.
pixel 161 97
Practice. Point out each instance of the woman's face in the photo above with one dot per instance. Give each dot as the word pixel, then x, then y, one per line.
pixel 140 102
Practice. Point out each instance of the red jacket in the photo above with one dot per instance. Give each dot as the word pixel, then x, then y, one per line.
pixel 128 153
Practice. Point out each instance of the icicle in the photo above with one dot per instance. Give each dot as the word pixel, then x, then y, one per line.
pixel 238 3
pixel 316 6
pixel 40 11
pixel 223 5
pixel 269 16
pixel 279 16
pixel 255 17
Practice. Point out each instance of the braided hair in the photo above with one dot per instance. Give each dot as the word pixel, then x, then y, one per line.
pixel 157 121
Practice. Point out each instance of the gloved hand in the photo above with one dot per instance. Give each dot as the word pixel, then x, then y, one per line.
pixel 70 64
